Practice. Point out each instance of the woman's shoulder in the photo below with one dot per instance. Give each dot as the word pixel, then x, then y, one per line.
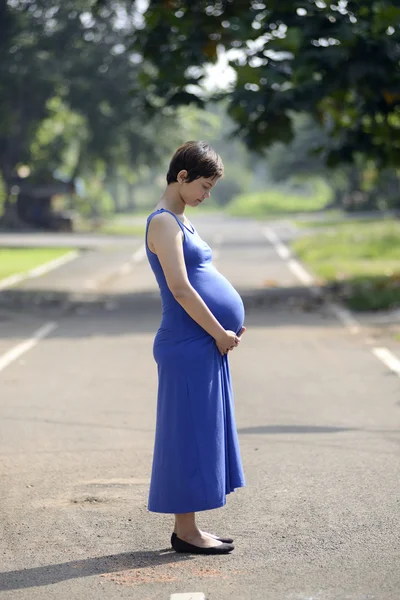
pixel 164 219
pixel 164 224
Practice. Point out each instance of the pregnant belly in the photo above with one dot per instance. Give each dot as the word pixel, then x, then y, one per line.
pixel 221 298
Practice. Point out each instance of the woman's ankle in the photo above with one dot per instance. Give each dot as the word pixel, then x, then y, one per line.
pixel 186 526
pixel 187 534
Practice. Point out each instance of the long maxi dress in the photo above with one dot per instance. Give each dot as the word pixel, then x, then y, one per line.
pixel 196 460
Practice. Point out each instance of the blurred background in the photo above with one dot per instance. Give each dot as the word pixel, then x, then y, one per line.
pixel 301 99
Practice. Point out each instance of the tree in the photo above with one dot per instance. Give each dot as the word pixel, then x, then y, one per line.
pixel 356 186
pixel 338 63
pixel 68 78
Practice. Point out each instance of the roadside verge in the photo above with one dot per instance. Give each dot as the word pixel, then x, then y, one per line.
pixel 40 269
pixel 342 313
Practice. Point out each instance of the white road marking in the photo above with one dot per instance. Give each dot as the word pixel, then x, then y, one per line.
pixel 341 313
pixel 188 596
pixel 283 251
pixel 271 235
pixel 300 272
pixel 139 254
pixel 124 269
pixel 23 347
pixel 280 248
pixel 12 280
pixel 41 270
pixel 285 254
pixel 345 317
pixel 54 264
pixel 388 359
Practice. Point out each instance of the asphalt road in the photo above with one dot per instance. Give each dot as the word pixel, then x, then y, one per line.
pixel 319 427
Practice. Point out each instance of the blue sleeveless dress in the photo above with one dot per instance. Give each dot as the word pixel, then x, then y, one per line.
pixel 196 459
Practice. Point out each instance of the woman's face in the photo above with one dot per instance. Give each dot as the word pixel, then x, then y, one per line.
pixel 194 192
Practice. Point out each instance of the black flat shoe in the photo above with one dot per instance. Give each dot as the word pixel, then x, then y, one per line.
pixel 182 546
pixel 220 539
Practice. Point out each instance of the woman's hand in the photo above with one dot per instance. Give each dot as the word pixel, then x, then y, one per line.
pixel 241 332
pixel 239 336
pixel 229 340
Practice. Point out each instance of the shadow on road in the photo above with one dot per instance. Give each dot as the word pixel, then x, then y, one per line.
pixel 119 314
pixel 51 574
pixel 39 298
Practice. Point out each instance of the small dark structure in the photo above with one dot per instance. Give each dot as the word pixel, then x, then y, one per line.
pixel 34 203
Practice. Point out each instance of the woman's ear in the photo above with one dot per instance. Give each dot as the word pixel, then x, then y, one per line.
pixel 182 176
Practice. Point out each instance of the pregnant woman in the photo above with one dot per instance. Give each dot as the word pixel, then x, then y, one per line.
pixel 196 458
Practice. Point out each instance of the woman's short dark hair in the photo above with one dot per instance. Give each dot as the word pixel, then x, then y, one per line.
pixel 198 159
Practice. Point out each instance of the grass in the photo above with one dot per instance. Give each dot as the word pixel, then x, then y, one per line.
pixel 359 261
pixel 274 202
pixel 21 260
pixel 335 217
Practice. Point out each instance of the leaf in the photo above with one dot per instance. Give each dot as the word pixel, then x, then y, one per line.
pixel 182 98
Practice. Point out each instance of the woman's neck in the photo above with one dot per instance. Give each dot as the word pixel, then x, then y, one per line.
pixel 171 199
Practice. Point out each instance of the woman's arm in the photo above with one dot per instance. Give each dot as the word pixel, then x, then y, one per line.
pixel 165 236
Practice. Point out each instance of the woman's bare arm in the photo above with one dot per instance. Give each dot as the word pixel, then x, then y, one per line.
pixel 165 236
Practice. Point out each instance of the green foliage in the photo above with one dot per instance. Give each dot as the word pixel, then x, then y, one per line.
pixel 372 293
pixel 359 186
pixel 58 140
pixel 68 91
pixel 278 202
pixel 299 156
pixel 97 201
pixel 364 240
pixel 337 63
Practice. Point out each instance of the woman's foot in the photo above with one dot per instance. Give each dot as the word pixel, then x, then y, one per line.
pixel 210 535
pixel 225 540
pixel 200 544
pixel 187 537
pixel 199 539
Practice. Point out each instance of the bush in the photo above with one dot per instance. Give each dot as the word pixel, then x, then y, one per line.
pixel 264 204
pixel 275 202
